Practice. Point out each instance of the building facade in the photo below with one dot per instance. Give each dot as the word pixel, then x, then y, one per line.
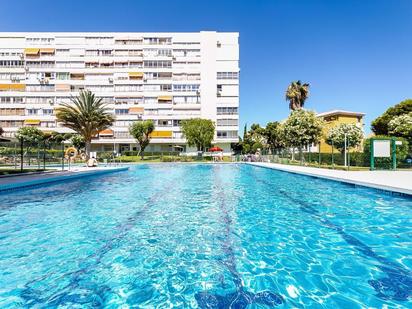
pixel 335 118
pixel 165 77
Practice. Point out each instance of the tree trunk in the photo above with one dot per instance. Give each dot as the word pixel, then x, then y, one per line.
pixel 87 149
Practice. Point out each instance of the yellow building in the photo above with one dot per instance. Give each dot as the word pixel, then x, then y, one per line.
pixel 335 118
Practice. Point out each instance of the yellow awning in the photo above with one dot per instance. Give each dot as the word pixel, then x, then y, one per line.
pixel 136 110
pixel 47 50
pixel 31 121
pixel 106 132
pixel 136 74
pixel 31 51
pixel 12 87
pixel 161 134
pixel 165 98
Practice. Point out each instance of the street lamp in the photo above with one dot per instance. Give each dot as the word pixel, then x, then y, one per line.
pixel 346 136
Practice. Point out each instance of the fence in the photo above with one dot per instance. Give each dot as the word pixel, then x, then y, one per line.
pixel 17 156
pixel 354 160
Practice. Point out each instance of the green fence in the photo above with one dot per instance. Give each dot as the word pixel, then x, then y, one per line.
pixel 336 160
pixel 17 156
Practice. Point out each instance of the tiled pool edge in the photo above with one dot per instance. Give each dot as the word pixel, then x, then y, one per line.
pixel 58 178
pixel 378 187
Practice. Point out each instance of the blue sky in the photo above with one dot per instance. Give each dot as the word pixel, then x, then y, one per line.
pixel 356 54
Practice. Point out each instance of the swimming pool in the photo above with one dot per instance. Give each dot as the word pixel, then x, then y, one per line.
pixel 204 235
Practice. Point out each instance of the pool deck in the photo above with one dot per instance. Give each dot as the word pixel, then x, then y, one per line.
pixel 33 179
pixel 394 181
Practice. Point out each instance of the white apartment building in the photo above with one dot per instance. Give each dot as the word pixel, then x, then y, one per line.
pixel 165 77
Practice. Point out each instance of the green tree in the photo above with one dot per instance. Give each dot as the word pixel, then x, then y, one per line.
pixel 302 128
pixel 31 136
pixel 254 139
pixel 78 141
pixel 274 136
pixel 198 132
pixel 87 115
pixel 296 94
pixel 401 126
pixel 336 136
pixel 380 124
pixel 141 131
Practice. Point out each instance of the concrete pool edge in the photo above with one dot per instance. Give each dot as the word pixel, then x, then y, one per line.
pixel 49 178
pixel 343 176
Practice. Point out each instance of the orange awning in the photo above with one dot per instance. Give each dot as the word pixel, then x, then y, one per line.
pixel 107 132
pixel 12 87
pixel 62 87
pixel 161 134
pixel 165 98
pixel 47 50
pixel 31 51
pixel 136 110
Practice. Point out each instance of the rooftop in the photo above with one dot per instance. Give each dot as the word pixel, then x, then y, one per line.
pixel 340 112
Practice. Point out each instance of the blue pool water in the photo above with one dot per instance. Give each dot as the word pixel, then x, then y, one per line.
pixel 204 236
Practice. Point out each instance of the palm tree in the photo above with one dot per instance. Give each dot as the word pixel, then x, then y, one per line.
pixel 87 115
pixel 297 94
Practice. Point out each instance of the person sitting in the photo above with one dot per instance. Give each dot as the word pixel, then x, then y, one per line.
pixel 92 162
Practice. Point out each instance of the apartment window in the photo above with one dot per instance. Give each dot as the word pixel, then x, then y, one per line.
pixel 157 41
pixel 11 99
pixel 158 64
pixel 185 99
pixel 99 88
pixel 40 88
pixel 14 77
pixel 11 123
pixel 128 88
pixel 176 122
pixel 48 124
pixel 92 52
pixel 32 111
pixel 105 52
pixel 99 40
pixel 128 41
pixel 62 52
pixel 47 111
pixel 62 75
pixel 227 75
pixel 227 134
pixel 11 63
pixel 12 112
pixel 154 52
pixel 39 100
pixel 164 123
pixel 121 111
pixel 227 110
pixel 40 64
pixel 186 87
pixel 227 122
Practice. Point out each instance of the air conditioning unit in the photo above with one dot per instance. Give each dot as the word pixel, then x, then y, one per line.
pixel 219 44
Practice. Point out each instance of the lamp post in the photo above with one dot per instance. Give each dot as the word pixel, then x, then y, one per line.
pixel 346 163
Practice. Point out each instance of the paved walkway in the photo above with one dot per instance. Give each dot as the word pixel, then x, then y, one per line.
pixel 396 181
pixel 13 182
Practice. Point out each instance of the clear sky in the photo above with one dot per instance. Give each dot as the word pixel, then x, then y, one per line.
pixel 356 54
